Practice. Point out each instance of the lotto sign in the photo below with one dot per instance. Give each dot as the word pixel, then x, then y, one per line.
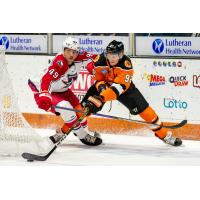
pixel 171 86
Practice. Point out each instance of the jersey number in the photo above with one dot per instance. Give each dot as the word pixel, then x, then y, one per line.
pixel 128 78
pixel 53 73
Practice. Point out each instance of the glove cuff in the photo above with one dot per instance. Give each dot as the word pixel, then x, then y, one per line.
pixel 95 101
pixel 45 94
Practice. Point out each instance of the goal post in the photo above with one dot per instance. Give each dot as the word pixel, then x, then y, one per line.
pixel 16 135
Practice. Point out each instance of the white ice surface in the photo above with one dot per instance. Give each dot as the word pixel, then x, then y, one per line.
pixel 116 150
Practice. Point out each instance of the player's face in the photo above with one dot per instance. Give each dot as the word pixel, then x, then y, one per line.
pixel 113 58
pixel 70 55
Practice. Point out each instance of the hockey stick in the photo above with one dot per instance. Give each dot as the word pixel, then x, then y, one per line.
pixel 179 125
pixel 31 157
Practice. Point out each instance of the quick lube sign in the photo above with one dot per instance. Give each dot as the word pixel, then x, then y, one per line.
pixel 168 46
pixel 91 44
pixel 24 43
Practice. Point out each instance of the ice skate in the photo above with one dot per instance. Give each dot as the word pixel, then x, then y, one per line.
pixel 89 138
pixel 56 137
pixel 169 139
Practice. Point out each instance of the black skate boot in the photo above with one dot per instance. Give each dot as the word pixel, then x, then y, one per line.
pixel 169 139
pixel 56 137
pixel 90 139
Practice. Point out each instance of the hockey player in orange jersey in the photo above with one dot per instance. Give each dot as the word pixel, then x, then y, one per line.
pixel 113 73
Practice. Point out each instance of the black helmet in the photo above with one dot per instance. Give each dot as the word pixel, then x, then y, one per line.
pixel 115 47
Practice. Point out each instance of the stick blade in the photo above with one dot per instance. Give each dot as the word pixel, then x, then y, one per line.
pixel 181 124
pixel 29 156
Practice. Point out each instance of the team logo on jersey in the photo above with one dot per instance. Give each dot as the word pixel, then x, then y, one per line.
pixel 60 63
pixel 127 64
pixel 88 55
pixel 104 71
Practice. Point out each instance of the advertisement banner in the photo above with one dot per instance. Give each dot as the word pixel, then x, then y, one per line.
pixel 171 86
pixel 17 43
pixel 168 46
pixel 91 44
pixel 82 84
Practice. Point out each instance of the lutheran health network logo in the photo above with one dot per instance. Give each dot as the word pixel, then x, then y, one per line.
pixel 158 46
pixel 176 46
pixel 4 41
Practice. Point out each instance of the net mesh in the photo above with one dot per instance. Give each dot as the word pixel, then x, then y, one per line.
pixel 16 135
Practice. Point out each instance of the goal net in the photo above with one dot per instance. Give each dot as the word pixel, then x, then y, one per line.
pixel 16 135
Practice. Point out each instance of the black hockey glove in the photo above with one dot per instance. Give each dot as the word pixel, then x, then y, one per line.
pixel 93 104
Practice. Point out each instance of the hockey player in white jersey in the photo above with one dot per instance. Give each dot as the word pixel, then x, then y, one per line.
pixel 52 89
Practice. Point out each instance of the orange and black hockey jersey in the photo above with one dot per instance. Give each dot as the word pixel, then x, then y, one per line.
pixel 119 77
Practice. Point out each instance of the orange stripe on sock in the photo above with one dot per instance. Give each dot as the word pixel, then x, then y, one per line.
pixel 161 133
pixel 149 115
